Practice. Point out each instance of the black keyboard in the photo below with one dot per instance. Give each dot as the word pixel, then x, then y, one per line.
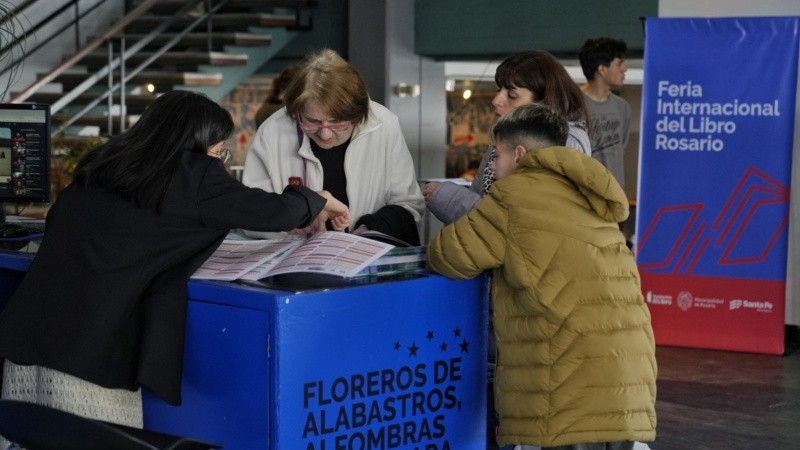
pixel 31 227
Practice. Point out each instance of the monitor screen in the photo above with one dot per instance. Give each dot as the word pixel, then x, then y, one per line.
pixel 24 153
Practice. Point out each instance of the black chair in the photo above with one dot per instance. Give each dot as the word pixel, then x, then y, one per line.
pixel 37 427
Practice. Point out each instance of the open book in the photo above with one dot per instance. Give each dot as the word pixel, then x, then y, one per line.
pixel 328 253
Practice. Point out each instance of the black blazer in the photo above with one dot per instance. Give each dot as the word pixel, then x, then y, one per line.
pixel 105 297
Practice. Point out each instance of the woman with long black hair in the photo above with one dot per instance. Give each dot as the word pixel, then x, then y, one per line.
pixel 102 310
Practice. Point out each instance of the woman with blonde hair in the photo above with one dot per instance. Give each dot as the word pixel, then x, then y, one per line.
pixel 331 136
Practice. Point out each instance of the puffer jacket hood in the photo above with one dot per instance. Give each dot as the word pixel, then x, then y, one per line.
pixel 604 194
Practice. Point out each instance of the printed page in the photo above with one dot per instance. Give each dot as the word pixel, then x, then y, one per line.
pixel 281 251
pixel 235 259
pixel 333 253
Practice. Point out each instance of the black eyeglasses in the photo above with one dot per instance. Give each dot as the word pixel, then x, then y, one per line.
pixel 224 155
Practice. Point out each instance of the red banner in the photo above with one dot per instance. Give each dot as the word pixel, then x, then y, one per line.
pixel 716 313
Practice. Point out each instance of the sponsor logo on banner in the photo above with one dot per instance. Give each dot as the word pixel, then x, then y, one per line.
pixel 708 303
pixel 658 299
pixel 763 306
pixel 685 300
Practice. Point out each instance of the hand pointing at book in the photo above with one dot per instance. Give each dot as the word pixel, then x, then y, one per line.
pixel 334 210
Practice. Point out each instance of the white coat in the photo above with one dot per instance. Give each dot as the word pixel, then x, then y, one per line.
pixel 377 164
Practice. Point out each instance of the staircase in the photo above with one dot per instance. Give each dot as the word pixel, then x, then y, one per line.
pixel 199 45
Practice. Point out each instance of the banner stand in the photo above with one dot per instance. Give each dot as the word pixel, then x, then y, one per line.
pixel 717 134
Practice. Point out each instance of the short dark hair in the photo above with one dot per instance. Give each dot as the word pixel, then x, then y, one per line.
pixel 533 126
pixel 600 52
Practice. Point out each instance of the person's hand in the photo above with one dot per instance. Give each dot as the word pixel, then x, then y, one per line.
pixel 361 228
pixel 340 223
pixel 428 190
pixel 334 210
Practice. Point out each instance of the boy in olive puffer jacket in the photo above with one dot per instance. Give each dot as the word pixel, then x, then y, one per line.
pixel 576 364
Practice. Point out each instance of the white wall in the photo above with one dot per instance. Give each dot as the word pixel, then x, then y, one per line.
pixel 743 8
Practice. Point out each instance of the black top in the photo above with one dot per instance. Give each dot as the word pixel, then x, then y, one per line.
pixel 334 180
pixel 106 295
pixel 393 220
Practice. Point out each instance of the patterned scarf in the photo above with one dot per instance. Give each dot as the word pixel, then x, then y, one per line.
pixel 488 172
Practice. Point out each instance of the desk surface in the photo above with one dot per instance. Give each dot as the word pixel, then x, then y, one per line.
pixel 265 368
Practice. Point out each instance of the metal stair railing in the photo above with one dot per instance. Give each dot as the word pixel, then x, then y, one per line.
pixel 126 76
pixel 64 66
pixel 115 31
pixel 43 22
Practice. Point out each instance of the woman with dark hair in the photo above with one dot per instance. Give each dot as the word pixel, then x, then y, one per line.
pixel 102 310
pixel 332 136
pixel 277 91
pixel 549 84
pixel 533 76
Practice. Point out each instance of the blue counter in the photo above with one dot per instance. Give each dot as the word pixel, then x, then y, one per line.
pixel 395 365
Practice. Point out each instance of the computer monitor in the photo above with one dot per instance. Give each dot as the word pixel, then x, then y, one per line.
pixel 24 154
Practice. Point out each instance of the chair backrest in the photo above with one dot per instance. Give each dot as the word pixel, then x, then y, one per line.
pixel 37 427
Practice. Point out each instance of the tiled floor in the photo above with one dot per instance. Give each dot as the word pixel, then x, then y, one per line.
pixel 726 400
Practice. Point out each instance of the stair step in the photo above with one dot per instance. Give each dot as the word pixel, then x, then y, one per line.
pixel 200 40
pixel 223 21
pixel 172 6
pixel 133 101
pixel 98 59
pixel 239 23
pixel 70 80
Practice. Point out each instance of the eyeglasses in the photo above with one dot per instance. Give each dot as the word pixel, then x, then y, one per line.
pixel 313 127
pixel 224 155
